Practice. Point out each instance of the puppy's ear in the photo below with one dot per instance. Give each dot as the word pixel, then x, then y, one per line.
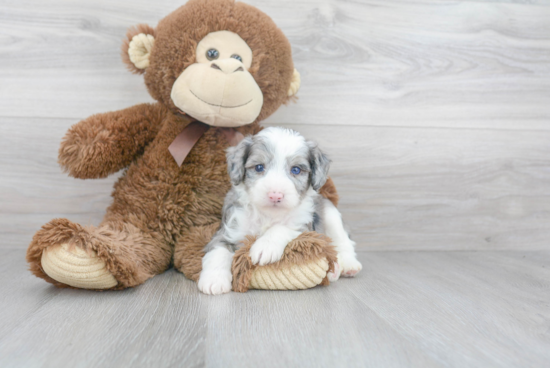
pixel 320 164
pixel 236 159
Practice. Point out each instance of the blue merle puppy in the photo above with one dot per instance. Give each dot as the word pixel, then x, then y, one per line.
pixel 275 176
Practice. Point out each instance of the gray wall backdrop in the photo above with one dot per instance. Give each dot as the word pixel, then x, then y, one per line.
pixel 436 113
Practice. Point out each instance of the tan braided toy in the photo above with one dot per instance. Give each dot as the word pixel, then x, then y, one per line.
pixel 292 278
pixel 305 263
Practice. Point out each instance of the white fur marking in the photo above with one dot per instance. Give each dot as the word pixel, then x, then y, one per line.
pixel 249 220
pixel 269 248
pixel 334 228
pixel 335 275
pixel 216 277
pixel 349 264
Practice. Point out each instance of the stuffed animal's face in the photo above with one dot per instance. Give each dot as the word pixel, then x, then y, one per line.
pixel 218 89
pixel 223 63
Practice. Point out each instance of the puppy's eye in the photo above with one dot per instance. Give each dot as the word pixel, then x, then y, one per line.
pixel 212 54
pixel 295 170
pixel 235 56
pixel 259 168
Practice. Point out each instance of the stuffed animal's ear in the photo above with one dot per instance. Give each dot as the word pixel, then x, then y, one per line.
pixel 294 84
pixel 136 48
pixel 319 163
pixel 236 159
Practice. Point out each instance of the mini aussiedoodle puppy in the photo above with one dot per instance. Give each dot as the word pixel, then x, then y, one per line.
pixel 275 178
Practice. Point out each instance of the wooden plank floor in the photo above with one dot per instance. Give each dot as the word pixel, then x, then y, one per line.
pixel 407 309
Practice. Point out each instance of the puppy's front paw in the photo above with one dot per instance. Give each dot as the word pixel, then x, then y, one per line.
pixel 349 265
pixel 215 282
pixel 265 252
pixel 335 275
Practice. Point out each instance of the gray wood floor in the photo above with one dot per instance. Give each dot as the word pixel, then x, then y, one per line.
pixel 437 117
pixel 407 309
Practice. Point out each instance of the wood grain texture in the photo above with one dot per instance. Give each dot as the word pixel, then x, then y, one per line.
pixel 33 188
pixel 435 113
pixel 401 188
pixel 425 188
pixel 406 309
pixel 400 63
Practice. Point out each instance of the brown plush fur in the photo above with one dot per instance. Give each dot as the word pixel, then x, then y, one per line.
pixel 177 36
pixel 190 250
pixel 329 192
pixel 106 143
pixel 130 255
pixel 160 210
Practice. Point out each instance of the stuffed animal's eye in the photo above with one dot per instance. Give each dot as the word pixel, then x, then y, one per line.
pixel 259 168
pixel 212 54
pixel 295 170
pixel 235 56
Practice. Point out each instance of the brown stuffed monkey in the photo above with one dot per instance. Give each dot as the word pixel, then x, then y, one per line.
pixel 216 69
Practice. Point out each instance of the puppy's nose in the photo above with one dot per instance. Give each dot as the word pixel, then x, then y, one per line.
pixel 275 197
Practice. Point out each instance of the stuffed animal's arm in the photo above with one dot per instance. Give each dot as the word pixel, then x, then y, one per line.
pixel 106 143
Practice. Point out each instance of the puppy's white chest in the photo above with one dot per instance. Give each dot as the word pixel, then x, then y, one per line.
pixel 258 225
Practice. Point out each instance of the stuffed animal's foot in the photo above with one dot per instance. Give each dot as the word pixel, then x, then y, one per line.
pixel 73 266
pixel 349 264
pixel 334 275
pixel 111 256
pixel 215 282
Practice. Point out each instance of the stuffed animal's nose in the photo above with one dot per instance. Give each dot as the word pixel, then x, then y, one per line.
pixel 275 197
pixel 228 66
